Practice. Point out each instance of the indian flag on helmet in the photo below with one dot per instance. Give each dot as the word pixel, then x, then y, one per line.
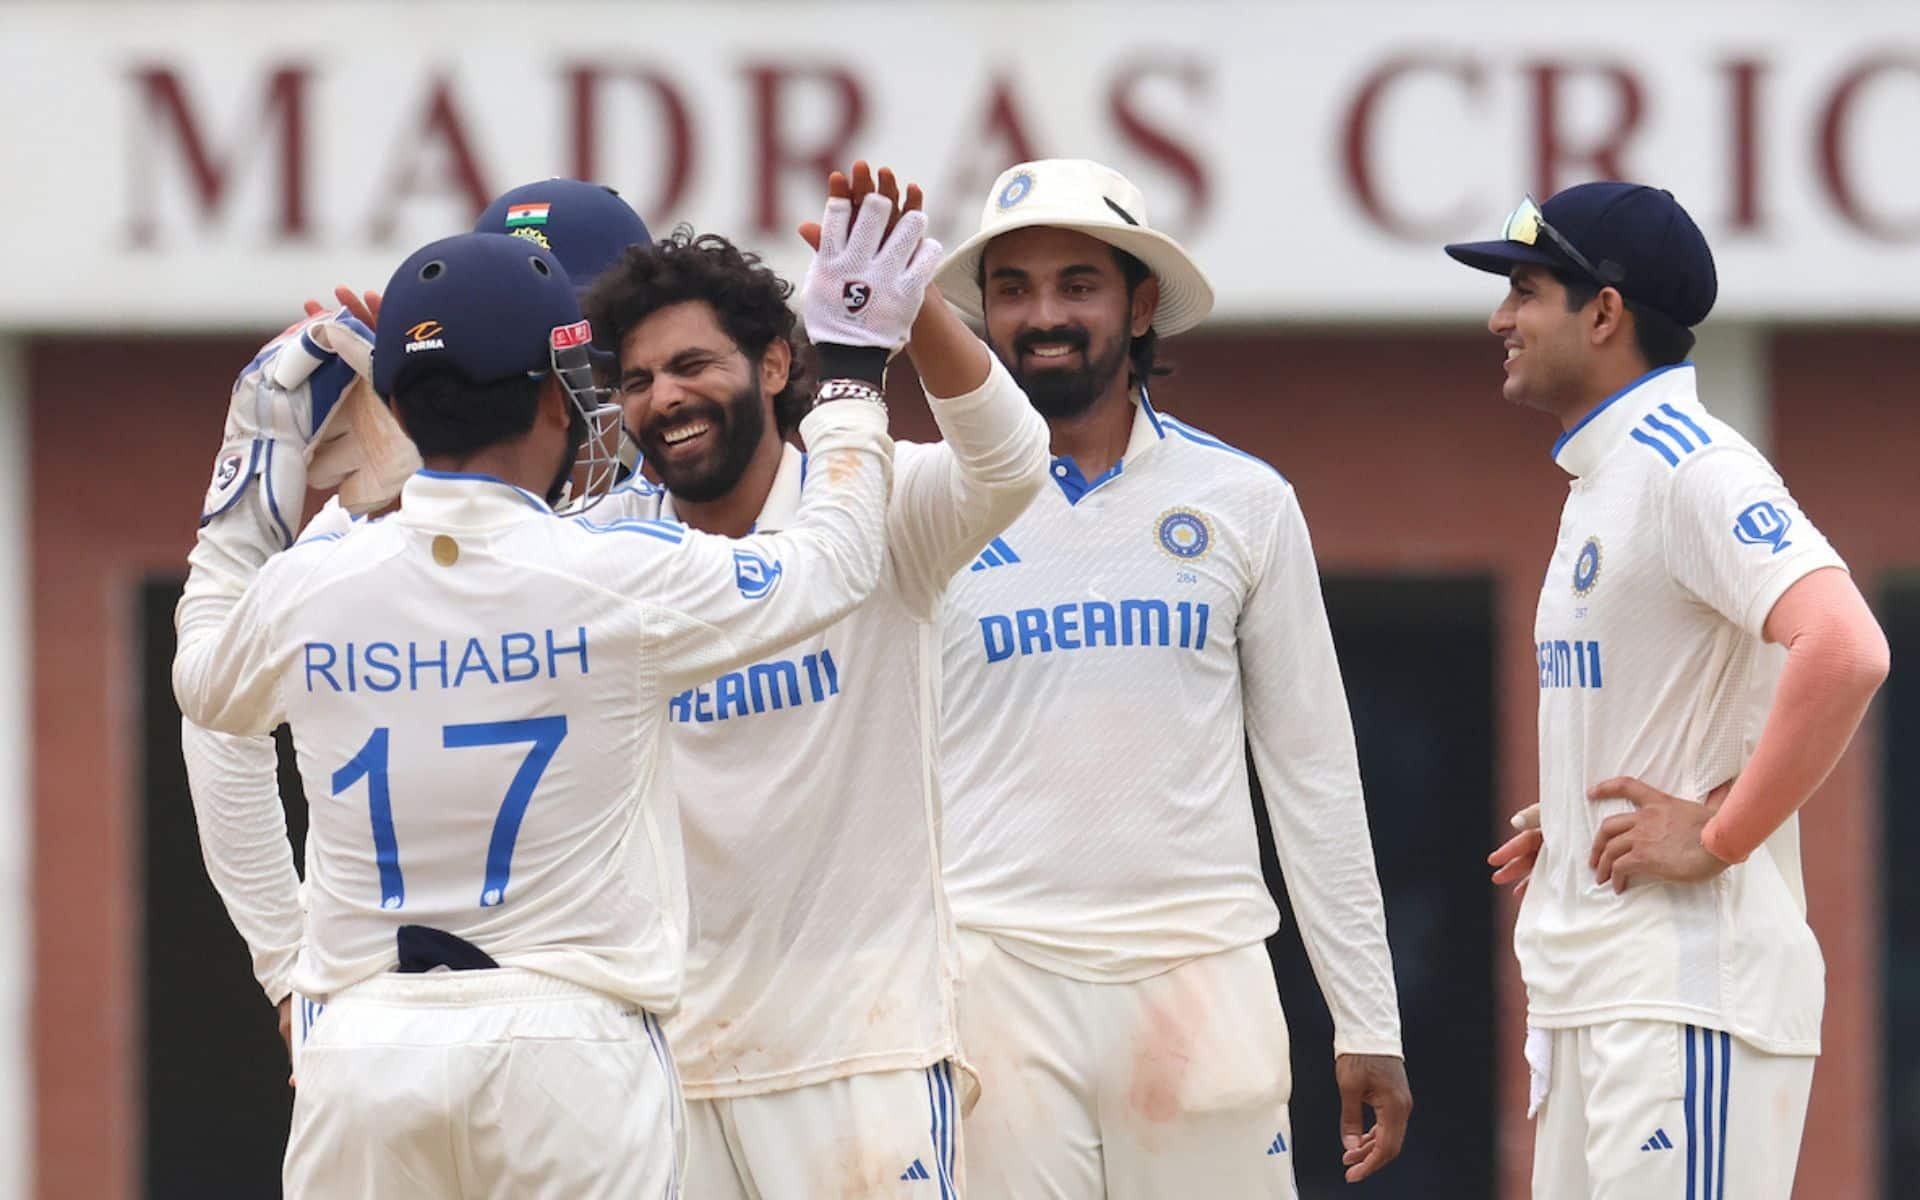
pixel 520 215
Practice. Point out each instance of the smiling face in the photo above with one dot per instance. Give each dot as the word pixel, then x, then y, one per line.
pixel 697 406
pixel 1550 357
pixel 1060 315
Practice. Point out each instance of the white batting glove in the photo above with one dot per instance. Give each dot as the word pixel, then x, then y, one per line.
pixel 859 291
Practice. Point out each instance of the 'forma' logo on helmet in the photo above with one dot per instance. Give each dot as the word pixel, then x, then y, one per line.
pixel 425 336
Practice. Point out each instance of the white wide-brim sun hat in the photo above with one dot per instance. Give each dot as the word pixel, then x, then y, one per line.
pixel 1084 196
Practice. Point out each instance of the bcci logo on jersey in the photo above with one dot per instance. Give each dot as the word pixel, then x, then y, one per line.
pixel 755 576
pixel 1184 533
pixel 1586 568
pixel 1763 525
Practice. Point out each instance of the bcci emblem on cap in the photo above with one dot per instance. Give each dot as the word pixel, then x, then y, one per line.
pixel 1018 188
pixel 1184 533
pixel 1763 525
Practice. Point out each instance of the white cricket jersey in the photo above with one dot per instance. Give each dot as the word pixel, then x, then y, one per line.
pixel 821 941
pixel 1104 662
pixel 1676 540
pixel 478 691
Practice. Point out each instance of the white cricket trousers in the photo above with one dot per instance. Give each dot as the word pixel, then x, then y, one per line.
pixel 483 1085
pixel 880 1134
pixel 1651 1110
pixel 1173 1087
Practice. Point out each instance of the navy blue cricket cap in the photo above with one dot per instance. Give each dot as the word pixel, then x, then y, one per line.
pixel 483 305
pixel 584 224
pixel 1637 238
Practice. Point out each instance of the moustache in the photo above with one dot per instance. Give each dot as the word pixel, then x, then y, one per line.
pixel 1065 335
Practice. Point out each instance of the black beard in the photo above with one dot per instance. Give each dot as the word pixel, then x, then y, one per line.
pixel 739 425
pixel 1060 392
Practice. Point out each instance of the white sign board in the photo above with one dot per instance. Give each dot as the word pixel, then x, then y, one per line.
pixel 191 165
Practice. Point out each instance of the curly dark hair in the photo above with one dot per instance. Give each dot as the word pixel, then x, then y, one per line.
pixel 747 298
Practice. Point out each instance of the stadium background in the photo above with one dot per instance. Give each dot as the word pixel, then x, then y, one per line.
pixel 180 176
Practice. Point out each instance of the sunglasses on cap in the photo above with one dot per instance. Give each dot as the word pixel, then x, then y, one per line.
pixel 1525 225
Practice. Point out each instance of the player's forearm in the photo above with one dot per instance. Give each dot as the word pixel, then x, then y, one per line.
pixel 842 516
pixel 1837 657
pixel 951 499
pixel 1303 749
pixel 997 439
pixel 1325 850
pixel 227 555
pixel 814 572
pixel 951 361
pixel 243 840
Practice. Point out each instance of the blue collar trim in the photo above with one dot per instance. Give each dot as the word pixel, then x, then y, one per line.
pixel 1074 485
pixel 1146 406
pixel 1604 405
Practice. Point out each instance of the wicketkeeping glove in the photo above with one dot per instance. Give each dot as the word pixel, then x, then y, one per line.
pixel 301 410
pixel 859 292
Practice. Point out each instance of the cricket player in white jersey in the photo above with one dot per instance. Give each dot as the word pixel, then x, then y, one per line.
pixel 817 1040
pixel 234 780
pixel 1704 659
pixel 1105 661
pixel 479 688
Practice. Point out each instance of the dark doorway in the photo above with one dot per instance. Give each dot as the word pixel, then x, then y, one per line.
pixel 215 1074
pixel 1417 656
pixel 1899 711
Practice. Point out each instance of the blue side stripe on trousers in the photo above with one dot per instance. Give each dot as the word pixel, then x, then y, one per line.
pixel 940 1145
pixel 1689 1110
pixel 937 1131
pixel 1706 1113
pixel 947 1186
pixel 657 1038
pixel 1726 1082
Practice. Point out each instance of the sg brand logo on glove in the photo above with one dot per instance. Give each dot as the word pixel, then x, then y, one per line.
pixel 855 295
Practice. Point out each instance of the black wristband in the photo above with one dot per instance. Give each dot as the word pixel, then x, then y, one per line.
pixel 865 363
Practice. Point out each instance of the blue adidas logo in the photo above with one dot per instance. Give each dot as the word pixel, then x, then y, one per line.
pixel 997 554
pixel 1659 1141
pixel 916 1171
pixel 1279 1145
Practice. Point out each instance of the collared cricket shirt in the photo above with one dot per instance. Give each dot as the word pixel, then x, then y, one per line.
pixel 821 942
pixel 478 693
pixel 1105 661
pixel 1675 542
